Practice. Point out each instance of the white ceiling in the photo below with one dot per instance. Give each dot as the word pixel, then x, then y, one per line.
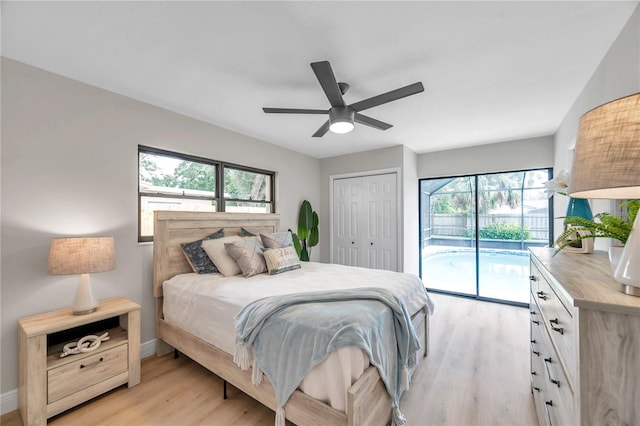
pixel 492 71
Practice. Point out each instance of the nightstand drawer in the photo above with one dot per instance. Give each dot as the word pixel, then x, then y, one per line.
pixel 77 375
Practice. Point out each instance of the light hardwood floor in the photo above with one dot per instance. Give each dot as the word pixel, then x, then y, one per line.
pixel 476 374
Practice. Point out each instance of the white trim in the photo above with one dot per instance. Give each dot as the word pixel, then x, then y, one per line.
pixel 9 400
pixel 399 217
pixel 148 348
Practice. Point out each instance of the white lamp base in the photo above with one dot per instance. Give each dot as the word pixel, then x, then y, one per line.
pixel 627 272
pixel 84 302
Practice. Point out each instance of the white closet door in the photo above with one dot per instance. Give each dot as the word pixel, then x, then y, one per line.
pixel 346 221
pixel 365 222
pixel 380 241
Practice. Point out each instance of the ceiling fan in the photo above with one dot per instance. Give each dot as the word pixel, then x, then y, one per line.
pixel 341 115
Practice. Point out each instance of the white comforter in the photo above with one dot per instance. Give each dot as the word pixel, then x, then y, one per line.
pixel 206 304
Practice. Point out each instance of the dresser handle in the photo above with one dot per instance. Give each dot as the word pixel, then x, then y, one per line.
pixel 93 363
pixel 558 329
pixel 534 313
pixel 535 388
pixel 533 373
pixel 536 322
pixel 536 353
pixel 533 341
pixel 549 403
pixel 550 361
pixel 541 295
pixel 532 278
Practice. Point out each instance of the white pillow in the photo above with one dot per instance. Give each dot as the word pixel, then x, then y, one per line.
pixel 219 256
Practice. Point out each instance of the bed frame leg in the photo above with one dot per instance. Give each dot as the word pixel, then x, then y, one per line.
pixel 224 389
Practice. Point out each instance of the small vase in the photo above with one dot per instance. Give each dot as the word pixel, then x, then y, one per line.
pixel 579 207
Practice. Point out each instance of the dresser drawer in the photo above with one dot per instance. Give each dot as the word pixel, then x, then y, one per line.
pixel 558 395
pixel 560 325
pixel 77 375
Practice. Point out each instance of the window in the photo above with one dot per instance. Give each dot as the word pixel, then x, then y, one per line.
pixel 172 181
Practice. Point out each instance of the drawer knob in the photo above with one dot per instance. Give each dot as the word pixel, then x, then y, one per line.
pixel 549 403
pixel 533 278
pixel 534 313
pixel 541 295
pixel 93 363
pixel 536 353
pixel 537 389
pixel 533 341
pixel 536 322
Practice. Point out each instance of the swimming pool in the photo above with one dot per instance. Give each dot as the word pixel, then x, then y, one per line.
pixel 503 274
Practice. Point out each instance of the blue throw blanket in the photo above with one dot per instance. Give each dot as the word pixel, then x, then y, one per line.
pixel 286 336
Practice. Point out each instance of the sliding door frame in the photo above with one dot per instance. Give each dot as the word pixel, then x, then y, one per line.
pixel 477 232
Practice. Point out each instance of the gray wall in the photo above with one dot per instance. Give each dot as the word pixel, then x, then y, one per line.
pixel 618 75
pixel 69 167
pixel 498 157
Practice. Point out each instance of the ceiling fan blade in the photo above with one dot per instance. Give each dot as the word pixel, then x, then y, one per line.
pixel 393 95
pixel 322 130
pixel 371 122
pixel 327 80
pixel 294 111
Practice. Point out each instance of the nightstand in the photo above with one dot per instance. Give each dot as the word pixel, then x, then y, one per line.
pixel 48 384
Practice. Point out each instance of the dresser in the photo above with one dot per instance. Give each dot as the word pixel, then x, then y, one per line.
pixel 585 342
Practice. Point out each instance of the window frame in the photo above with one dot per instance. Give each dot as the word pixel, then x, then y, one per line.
pixel 218 197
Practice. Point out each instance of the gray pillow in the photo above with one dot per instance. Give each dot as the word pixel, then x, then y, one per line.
pixel 245 233
pixel 277 239
pixel 197 257
pixel 248 255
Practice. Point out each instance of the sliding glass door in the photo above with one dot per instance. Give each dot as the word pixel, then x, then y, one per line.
pixel 475 231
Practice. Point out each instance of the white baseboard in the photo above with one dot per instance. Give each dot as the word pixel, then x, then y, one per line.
pixel 9 400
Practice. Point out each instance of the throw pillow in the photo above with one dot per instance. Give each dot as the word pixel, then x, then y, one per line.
pixel 196 256
pixel 281 260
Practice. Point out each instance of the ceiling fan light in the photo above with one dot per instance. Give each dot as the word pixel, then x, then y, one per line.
pixel 341 126
pixel 341 119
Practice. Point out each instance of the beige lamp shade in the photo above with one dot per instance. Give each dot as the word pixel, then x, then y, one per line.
pixel 72 256
pixel 606 162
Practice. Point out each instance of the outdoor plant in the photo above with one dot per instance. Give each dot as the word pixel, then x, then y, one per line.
pixel 503 231
pixel 307 235
pixel 604 225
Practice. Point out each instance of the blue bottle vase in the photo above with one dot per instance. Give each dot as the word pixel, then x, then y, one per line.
pixel 579 207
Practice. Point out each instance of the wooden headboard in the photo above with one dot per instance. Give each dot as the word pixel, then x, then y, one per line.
pixel 171 228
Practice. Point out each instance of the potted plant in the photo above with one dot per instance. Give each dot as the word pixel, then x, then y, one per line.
pixel 604 225
pixel 307 235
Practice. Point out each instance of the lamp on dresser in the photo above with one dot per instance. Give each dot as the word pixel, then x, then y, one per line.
pixel 607 165
pixel 83 256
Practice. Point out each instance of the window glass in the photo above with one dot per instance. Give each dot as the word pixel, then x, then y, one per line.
pixel 172 181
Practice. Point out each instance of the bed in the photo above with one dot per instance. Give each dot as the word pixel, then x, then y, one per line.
pixel 367 401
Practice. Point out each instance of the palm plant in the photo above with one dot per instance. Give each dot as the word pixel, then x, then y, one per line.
pixel 607 226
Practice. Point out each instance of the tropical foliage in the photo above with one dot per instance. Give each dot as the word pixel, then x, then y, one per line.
pixel 604 225
pixel 307 235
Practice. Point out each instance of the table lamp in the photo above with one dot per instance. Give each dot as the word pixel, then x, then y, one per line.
pixel 71 256
pixel 607 165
